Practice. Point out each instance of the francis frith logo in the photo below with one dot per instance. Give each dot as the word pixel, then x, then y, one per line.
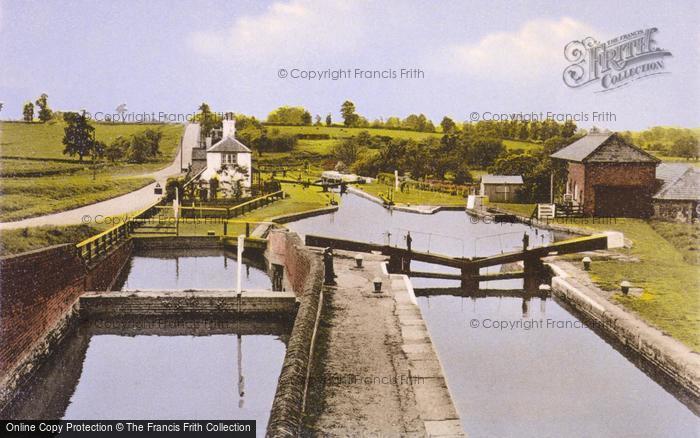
pixel 614 63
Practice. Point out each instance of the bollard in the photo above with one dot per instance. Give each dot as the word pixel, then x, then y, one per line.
pixel 329 273
pixel 586 263
pixel 358 261
pixel 625 287
pixel 377 285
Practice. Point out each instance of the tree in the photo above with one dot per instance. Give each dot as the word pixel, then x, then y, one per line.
pixel 347 110
pixel 569 129
pixel 347 150
pixel 317 120
pixel 329 120
pixel 44 111
pixel 78 136
pixel 306 118
pixel 448 125
pixel 686 147
pixel 152 139
pixel 117 149
pixel 28 112
pixel 289 115
pixel 139 149
pixel 207 120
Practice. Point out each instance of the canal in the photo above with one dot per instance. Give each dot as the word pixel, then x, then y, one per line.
pixel 515 367
pixel 164 367
pixel 177 269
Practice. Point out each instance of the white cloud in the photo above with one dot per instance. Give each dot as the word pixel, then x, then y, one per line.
pixel 299 30
pixel 533 51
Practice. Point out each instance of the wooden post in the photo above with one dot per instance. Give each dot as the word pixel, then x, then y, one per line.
pixel 533 272
pixel 469 281
pixel 395 260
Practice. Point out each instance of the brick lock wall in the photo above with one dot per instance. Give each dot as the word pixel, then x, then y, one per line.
pixel 39 288
pixel 36 290
pixel 102 272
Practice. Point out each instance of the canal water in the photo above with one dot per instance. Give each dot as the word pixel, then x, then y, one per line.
pixel 173 269
pixel 159 369
pixel 515 367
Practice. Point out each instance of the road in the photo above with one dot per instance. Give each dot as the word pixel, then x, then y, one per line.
pixel 130 202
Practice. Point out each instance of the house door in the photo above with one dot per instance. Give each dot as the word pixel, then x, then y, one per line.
pixel 620 201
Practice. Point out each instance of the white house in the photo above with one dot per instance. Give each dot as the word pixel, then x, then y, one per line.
pixel 228 151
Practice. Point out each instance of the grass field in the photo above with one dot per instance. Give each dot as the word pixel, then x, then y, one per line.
pixel 27 239
pixel 44 140
pixel 44 181
pixel 414 196
pixel 524 145
pixel 336 132
pixel 26 197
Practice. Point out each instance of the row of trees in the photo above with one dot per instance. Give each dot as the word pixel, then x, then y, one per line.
pixel 45 114
pixel 249 130
pixel 525 130
pixel 79 139
pixel 454 154
pixel 676 142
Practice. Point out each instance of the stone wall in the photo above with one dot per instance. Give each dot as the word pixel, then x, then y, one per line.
pixel 677 211
pixel 305 274
pixel 200 303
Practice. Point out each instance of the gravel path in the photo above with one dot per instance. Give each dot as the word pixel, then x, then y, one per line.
pixel 363 365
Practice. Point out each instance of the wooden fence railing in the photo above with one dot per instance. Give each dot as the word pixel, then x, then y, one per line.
pixel 100 243
pixel 227 212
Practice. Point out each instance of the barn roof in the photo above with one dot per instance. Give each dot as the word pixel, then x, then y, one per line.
pixel 229 144
pixel 604 147
pixel 502 179
pixel 684 188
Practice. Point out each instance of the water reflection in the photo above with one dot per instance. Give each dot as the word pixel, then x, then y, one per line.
pixel 159 369
pixel 197 269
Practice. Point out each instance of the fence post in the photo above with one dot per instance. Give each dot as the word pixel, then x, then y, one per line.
pixel 247 229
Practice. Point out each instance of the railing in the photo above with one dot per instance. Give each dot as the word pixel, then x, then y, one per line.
pixel 99 244
pixel 228 212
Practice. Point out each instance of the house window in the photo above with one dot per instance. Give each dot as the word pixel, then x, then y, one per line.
pixel 229 159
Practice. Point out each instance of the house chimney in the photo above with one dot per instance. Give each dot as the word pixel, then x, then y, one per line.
pixel 229 128
pixel 207 142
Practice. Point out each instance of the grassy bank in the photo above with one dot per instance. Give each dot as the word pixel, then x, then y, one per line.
pixel 27 197
pixel 413 196
pixel 37 179
pixel 27 239
pixel 668 270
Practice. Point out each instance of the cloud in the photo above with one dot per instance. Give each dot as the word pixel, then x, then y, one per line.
pixel 299 30
pixel 534 51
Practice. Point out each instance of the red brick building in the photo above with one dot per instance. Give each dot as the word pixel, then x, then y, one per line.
pixel 608 176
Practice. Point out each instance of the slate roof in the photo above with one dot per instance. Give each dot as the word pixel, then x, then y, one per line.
pixel 668 173
pixel 229 144
pixel 502 179
pixel 604 147
pixel 684 188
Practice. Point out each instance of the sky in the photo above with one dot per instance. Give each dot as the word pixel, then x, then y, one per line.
pixel 483 57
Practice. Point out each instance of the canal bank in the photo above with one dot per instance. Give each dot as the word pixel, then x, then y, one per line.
pixel 375 370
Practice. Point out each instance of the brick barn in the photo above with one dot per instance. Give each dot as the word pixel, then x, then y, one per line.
pixel 608 176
